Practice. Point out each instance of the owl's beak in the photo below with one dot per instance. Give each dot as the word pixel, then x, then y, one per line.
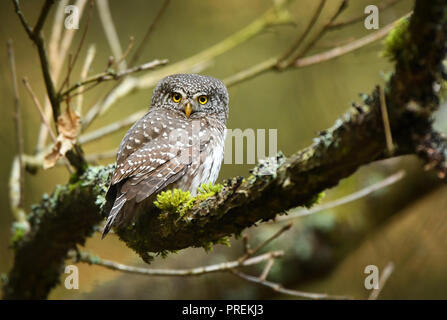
pixel 188 109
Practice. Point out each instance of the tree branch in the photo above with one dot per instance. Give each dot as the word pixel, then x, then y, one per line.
pixel 74 156
pixel 220 267
pixel 279 288
pixel 37 37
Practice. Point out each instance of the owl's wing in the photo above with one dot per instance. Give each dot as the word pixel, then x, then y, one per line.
pixel 148 133
pixel 150 168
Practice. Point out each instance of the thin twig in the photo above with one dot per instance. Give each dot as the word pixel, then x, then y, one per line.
pixel 93 157
pixel 331 44
pixel 109 28
pixel 17 177
pixel 149 31
pixel 44 120
pixel 301 52
pixel 43 16
pixel 75 157
pixel 386 123
pixel 56 31
pixel 111 75
pixel 56 65
pixel 267 269
pixel 18 124
pixel 81 42
pixel 309 27
pixel 349 47
pixel 36 36
pixel 220 267
pixel 382 6
pixel 15 192
pixel 349 198
pixel 91 52
pixel 111 128
pixel 126 53
pixel 65 45
pixel 386 273
pixel 252 252
pixel 279 288
pixel 270 64
pixel 39 108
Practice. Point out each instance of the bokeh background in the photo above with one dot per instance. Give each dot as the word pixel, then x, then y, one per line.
pixel 405 223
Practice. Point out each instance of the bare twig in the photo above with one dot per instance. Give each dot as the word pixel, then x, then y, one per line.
pixel 220 267
pixel 72 63
pixel 386 123
pixel 270 64
pixel 331 44
pixel 382 6
pixel 149 31
pixel 57 61
pixel 93 157
pixel 349 198
pixel 17 176
pixel 44 119
pixel 18 124
pixel 386 273
pixel 251 252
pixel 43 16
pixel 37 37
pixel 39 108
pixel 303 36
pixel 283 64
pixel 349 47
pixel 109 28
pixel 111 128
pixel 280 289
pixel 56 31
pixel 267 269
pixel 84 72
pixel 126 53
pixel 75 157
pixel 111 75
pixel 65 44
pixel 15 192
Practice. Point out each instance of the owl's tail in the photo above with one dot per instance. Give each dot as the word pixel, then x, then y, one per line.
pixel 117 206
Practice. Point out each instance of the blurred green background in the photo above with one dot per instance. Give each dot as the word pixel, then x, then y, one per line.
pixel 326 252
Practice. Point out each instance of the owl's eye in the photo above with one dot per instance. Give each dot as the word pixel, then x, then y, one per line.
pixel 176 97
pixel 203 99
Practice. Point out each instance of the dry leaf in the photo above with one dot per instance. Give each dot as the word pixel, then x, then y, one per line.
pixel 68 125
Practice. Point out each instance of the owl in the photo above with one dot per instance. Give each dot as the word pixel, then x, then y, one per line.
pixel 178 143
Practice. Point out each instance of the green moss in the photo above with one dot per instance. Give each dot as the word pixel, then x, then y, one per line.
pixel 315 200
pixel 208 190
pixel 208 246
pixel 18 232
pixel 179 202
pixel 174 201
pixel 398 44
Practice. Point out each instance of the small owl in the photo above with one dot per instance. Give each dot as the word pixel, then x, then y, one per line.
pixel 178 143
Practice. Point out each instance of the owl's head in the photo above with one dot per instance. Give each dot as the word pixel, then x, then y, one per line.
pixel 193 95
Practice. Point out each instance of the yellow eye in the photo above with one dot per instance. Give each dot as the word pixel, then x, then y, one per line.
pixel 203 99
pixel 176 97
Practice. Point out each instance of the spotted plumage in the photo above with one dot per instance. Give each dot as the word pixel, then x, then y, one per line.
pixel 178 143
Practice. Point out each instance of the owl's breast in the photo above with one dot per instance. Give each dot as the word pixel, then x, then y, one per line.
pixel 206 167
